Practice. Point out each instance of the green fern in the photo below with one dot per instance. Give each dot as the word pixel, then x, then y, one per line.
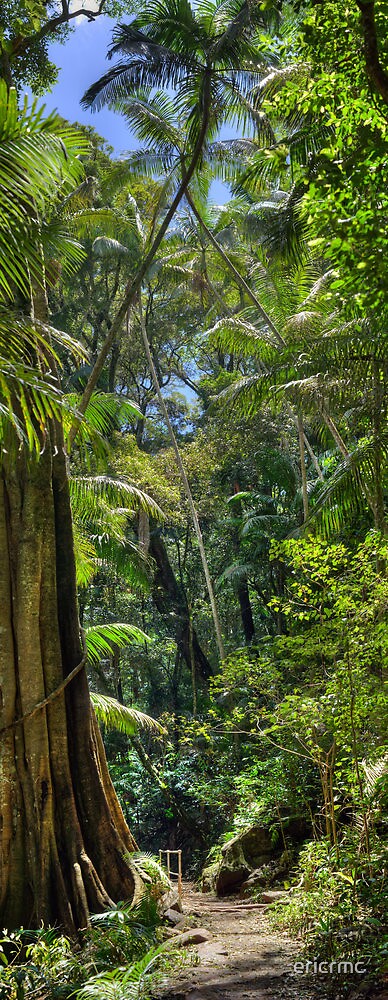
pixel 123 983
pixel 149 869
pixel 376 777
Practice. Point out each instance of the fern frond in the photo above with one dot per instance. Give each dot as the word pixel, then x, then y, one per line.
pixel 87 493
pixel 375 773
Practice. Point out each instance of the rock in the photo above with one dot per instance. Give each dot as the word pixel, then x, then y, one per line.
pixel 229 878
pixel 273 895
pixel 184 924
pixel 209 876
pixel 248 856
pixel 258 879
pixel 171 901
pixel 240 855
pixel 253 845
pixel 173 916
pixel 196 936
pixel 275 870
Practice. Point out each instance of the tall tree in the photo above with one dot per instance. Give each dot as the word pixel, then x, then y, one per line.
pixel 63 834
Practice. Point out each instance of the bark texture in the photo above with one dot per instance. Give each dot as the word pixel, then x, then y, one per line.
pixel 375 70
pixel 62 831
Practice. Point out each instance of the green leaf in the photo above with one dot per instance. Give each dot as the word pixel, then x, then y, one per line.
pixel 113 715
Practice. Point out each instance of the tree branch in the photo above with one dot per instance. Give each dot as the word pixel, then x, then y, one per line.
pixel 377 74
pixel 23 43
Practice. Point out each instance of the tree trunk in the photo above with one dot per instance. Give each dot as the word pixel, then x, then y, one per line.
pixel 62 831
pixel 242 586
pixel 168 596
pixel 303 474
pixel 378 419
pixel 246 611
pixel 186 486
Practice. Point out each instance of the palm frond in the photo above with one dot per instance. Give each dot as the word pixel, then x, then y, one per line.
pixel 239 336
pixel 153 118
pixel 101 640
pixel 113 715
pixel 152 163
pixel 280 77
pixel 105 246
pixel 105 413
pixel 88 492
pixel 85 555
pixel 149 65
pixel 376 773
pixel 349 489
pixel 89 223
pixel 37 161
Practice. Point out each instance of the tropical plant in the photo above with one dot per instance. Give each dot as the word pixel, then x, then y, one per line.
pixel 113 715
pixel 325 364
pixel 125 983
pixel 29 394
pixel 208 56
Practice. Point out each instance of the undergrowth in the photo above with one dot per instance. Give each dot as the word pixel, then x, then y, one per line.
pixel 338 908
pixel 120 955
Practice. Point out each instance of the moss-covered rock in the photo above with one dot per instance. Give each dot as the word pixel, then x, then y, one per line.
pixel 209 876
pixel 247 853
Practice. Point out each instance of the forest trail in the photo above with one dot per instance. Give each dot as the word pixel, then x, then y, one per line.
pixel 244 959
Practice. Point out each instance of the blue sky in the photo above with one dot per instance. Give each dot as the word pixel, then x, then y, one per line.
pixel 81 61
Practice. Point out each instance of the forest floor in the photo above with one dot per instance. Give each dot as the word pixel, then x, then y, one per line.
pixel 245 959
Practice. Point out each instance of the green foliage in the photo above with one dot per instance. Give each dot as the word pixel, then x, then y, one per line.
pixel 120 949
pixel 113 715
pixel 339 912
pixel 293 722
pixel 39 165
pixel 129 983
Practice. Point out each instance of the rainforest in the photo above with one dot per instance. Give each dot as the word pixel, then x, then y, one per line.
pixel 193 502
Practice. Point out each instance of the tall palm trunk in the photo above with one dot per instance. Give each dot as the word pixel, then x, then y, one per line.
pixel 186 486
pixel 303 468
pixel 134 283
pixel 378 458
pixel 62 832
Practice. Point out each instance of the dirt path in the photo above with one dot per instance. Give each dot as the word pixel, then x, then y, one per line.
pixel 243 959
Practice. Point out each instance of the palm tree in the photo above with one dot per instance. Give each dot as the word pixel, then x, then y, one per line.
pixel 325 359
pixel 208 55
pixel 153 116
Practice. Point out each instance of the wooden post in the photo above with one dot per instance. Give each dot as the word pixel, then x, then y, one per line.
pixel 177 874
pixel 180 874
